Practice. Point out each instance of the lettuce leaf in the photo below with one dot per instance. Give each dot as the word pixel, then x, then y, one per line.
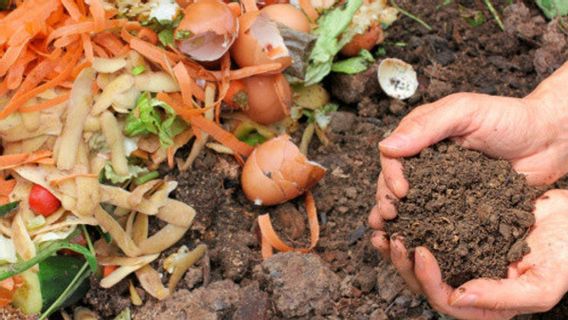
pixel 110 175
pixel 146 118
pixel 354 65
pixel 330 26
pixel 553 8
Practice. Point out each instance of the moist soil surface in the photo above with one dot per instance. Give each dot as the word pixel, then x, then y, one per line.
pixel 471 211
pixel 344 278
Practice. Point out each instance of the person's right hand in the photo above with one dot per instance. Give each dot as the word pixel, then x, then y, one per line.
pixel 528 132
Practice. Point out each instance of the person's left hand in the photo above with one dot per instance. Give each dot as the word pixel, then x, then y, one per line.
pixel 534 284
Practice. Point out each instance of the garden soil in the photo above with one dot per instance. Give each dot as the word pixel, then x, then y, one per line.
pixel 344 278
pixel 471 211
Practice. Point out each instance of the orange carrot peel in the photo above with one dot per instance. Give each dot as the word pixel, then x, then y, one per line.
pixel 271 240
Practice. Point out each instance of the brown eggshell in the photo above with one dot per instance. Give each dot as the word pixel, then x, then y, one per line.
pixel 277 171
pixel 269 98
pixel 213 28
pixel 248 51
pixel 366 41
pixel 287 15
pixel 208 15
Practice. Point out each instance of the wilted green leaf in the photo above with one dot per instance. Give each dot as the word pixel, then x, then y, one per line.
pixel 354 65
pixel 330 26
pixel 553 8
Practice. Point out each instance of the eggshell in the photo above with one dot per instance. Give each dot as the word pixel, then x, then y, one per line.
pixel 287 15
pixel 259 42
pixel 277 171
pixel 269 98
pixel 213 29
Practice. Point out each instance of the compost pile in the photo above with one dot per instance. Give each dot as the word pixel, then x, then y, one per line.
pixel 471 211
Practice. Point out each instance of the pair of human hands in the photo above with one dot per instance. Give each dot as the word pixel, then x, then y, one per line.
pixel 532 134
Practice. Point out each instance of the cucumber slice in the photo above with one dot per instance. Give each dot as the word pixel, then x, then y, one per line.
pixel 28 297
pixel 55 274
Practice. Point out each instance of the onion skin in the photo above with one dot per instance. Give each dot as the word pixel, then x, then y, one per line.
pixel 287 15
pixel 269 98
pixel 246 51
pixel 276 172
pixel 366 41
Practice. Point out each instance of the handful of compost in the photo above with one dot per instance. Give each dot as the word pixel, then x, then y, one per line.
pixel 471 211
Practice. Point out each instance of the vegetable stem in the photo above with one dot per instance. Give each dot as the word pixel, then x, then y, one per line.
pixel 495 14
pixel 411 16
pixel 147 177
pixel 307 138
pixel 46 252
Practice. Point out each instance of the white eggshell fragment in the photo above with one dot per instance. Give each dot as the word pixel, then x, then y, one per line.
pixel 397 78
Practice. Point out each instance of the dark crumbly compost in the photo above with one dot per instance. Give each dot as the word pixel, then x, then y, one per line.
pixel 471 211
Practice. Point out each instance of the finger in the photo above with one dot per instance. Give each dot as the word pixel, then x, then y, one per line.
pixel 393 175
pixel 538 175
pixel 375 219
pixel 513 271
pixel 429 276
pixel 431 123
pixel 385 199
pixel 380 240
pixel 403 264
pixel 527 293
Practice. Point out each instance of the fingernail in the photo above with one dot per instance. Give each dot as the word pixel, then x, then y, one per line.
pixel 464 299
pixel 375 234
pixel 394 142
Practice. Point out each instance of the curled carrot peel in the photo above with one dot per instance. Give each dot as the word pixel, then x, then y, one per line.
pixel 46 104
pixel 6 187
pixel 15 160
pixel 270 238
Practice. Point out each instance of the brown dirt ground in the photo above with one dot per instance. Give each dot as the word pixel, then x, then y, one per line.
pixel 233 283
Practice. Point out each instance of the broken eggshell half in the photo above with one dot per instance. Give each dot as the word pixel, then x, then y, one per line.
pixel 207 30
pixel 397 78
pixel 277 171
pixel 259 42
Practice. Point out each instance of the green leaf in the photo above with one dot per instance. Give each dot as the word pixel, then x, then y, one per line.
pixel 138 70
pixel 8 207
pixel 110 175
pixel 124 315
pixel 44 253
pixel 253 139
pixel 322 115
pixel 553 8
pixel 5 4
pixel 152 116
pixel 330 26
pixel 55 275
pixel 182 34
pixel 476 19
pixel 354 65
pixel 166 37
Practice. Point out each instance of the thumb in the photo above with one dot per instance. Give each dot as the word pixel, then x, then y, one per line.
pixel 527 293
pixel 431 123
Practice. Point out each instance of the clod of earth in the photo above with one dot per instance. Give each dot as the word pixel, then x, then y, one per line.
pixel 471 211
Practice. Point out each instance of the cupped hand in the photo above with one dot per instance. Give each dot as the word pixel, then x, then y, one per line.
pixel 534 284
pixel 528 132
